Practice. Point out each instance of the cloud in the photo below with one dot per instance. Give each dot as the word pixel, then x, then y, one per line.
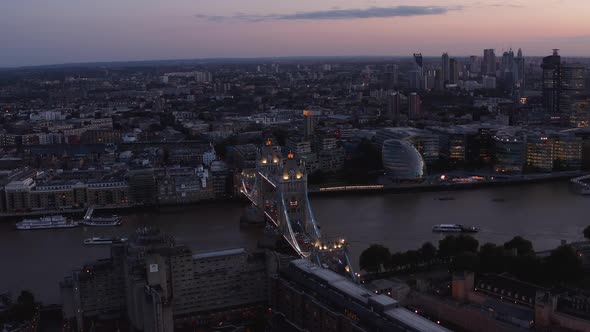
pixel 496 5
pixel 340 14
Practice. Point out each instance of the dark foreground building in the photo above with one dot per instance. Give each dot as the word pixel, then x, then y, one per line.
pixel 306 297
pixel 154 284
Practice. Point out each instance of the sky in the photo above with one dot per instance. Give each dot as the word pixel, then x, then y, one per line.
pixel 35 32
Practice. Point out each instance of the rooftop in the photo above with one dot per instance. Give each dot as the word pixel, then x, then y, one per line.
pixel 219 253
pixel 411 319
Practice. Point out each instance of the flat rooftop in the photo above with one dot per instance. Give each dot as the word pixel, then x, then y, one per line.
pixel 417 322
pixel 219 253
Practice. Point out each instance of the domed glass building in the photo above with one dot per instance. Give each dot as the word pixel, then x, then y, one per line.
pixel 401 160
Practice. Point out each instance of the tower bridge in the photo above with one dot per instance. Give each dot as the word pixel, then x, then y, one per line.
pixel 278 187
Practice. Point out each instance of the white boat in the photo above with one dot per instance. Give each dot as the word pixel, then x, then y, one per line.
pixel 581 185
pixel 46 222
pixel 104 240
pixel 454 228
pixel 113 220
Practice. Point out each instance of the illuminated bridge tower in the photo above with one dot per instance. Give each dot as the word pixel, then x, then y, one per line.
pixel 296 219
pixel 278 186
pixel 268 163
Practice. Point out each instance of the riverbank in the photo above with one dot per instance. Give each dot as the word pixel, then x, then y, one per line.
pixel 119 210
pixel 442 186
pixel 375 189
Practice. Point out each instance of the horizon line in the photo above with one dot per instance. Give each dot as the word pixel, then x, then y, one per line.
pixel 97 62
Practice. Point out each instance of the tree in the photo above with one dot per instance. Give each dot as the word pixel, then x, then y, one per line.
pixel 447 247
pixel 23 309
pixel 528 268
pixel 427 252
pixel 587 232
pixel 413 257
pixel 453 245
pixel 465 261
pixel 26 298
pixel 398 260
pixel 467 243
pixel 523 247
pixel 491 258
pixel 374 257
pixel 564 264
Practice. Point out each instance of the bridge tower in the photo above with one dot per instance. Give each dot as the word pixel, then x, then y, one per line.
pixel 295 218
pixel 278 186
pixel 268 163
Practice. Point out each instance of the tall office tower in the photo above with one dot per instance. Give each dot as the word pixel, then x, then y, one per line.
pixel 507 66
pixel 394 105
pixel 474 65
pixel 414 106
pixel 430 79
pixel 552 83
pixel 446 68
pixel 489 62
pixel 507 61
pixel 309 124
pixel 390 77
pixel 519 63
pixel 440 83
pixel 454 69
pixel 415 79
pixel 419 60
pixel 573 86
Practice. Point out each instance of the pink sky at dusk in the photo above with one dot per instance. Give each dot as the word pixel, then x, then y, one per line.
pixel 60 31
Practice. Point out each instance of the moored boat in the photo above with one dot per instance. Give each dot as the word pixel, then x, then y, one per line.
pixel 113 220
pixel 454 228
pixel 46 223
pixel 104 240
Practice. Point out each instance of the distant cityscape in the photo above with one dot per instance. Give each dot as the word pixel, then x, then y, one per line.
pixel 85 141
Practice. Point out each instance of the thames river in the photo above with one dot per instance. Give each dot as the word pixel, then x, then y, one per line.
pixel 543 213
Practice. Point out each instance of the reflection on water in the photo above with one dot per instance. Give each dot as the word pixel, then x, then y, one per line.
pixel 544 214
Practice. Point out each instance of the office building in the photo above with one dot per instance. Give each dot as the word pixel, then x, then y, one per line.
pixel 507 67
pixel 308 124
pixel 35 193
pixel 564 84
pixel 454 71
pixel 183 185
pixel 573 86
pixel 474 66
pixel 539 153
pixel 414 106
pixel 567 151
pixel 520 65
pixel 489 62
pixel 446 68
pixel 489 82
pixel 457 144
pixel 418 73
pixel 424 141
pixel 552 83
pixel 510 152
pixel 390 77
pixel 402 161
pixel 415 80
pixel 580 116
pixel 394 105
pixel 158 285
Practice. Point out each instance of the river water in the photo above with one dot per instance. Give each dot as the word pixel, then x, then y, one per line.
pixel 543 213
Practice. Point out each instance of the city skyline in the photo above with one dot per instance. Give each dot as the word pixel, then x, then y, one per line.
pixel 38 33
